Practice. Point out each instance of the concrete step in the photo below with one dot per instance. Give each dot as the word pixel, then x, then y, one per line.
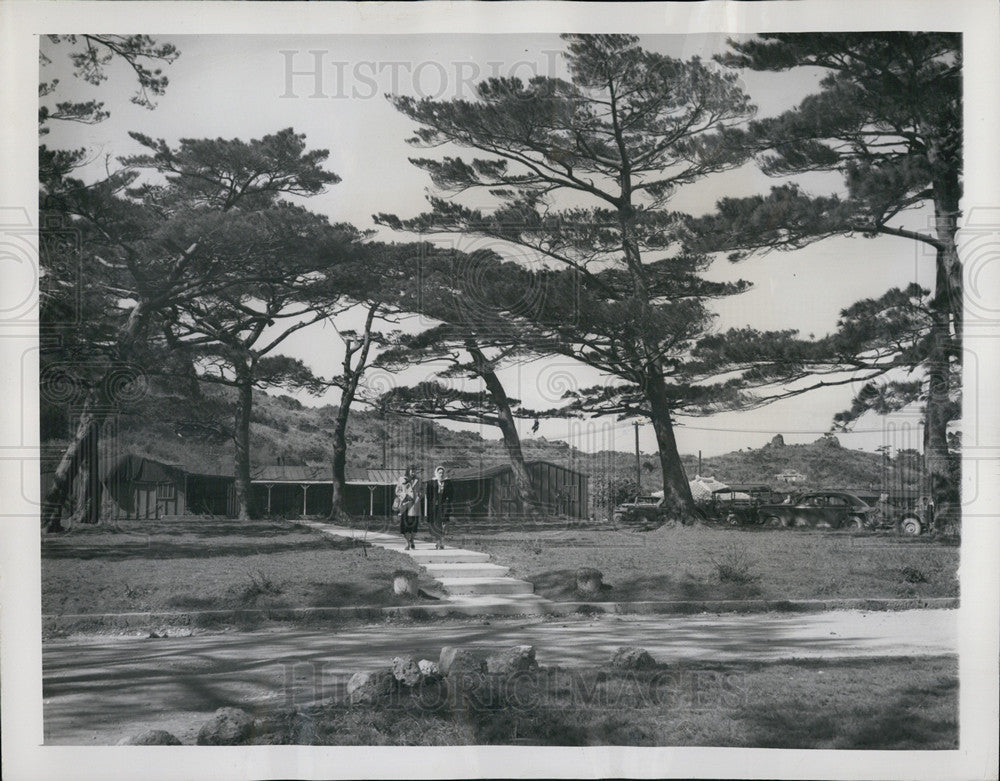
pixel 483 586
pixel 447 556
pixel 467 570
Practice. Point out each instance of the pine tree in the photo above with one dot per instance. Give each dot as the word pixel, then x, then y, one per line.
pixel 580 172
pixel 888 117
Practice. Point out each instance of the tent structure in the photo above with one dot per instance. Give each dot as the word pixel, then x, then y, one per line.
pixel 701 488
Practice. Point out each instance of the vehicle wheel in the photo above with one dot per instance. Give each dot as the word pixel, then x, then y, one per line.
pixel 775 520
pixel 733 520
pixel 910 526
pixel 855 523
pixel 668 523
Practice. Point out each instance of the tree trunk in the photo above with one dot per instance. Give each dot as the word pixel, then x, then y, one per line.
pixel 241 435
pixel 526 494
pixel 340 458
pixel 87 483
pixel 947 196
pixel 938 413
pixel 677 497
pixel 945 337
pixel 87 430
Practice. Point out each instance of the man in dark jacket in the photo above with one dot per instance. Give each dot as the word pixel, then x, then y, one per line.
pixel 439 494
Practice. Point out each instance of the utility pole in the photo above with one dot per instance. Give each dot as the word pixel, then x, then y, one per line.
pixel 638 462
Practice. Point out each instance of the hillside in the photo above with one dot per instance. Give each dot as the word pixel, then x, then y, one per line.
pixel 198 434
pixel 823 463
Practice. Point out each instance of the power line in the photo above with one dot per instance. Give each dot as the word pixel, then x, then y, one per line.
pixel 622 426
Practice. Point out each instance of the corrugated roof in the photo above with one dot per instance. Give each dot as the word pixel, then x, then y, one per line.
pixel 382 476
pixel 281 473
pixel 481 473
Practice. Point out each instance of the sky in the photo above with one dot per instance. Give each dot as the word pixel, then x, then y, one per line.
pixel 249 86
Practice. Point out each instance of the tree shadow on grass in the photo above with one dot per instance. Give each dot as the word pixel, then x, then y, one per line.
pixel 914 718
pixel 560 585
pixel 190 549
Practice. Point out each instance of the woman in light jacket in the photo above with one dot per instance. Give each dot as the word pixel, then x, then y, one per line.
pixel 408 501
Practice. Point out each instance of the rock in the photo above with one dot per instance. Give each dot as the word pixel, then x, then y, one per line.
pixel 589 581
pixel 776 441
pixel 404 583
pixel 519 658
pixel 369 686
pixel 429 670
pixel 151 737
pixel 631 657
pixel 227 727
pixel 459 660
pixel 406 671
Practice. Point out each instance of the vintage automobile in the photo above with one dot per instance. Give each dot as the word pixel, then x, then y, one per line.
pixel 641 513
pixel 912 521
pixel 738 505
pixel 822 509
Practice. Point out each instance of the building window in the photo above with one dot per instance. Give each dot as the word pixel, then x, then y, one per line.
pixel 166 491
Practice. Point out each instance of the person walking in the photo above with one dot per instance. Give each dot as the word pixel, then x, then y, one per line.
pixel 440 506
pixel 407 504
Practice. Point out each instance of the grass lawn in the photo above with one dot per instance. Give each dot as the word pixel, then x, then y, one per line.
pixel 897 703
pixel 187 563
pixel 701 562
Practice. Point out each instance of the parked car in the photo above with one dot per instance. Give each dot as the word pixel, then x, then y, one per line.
pixel 738 505
pixel 833 509
pixel 641 513
pixel 911 521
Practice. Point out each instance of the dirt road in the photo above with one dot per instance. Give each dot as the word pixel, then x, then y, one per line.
pixel 99 689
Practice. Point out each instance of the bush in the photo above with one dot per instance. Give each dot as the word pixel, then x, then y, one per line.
pixel 735 565
pixel 912 575
pixel 260 585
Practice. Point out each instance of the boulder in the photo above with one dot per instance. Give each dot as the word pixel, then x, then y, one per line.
pixel 429 670
pixel 369 686
pixel 404 583
pixel 406 671
pixel 456 661
pixel 589 581
pixel 227 727
pixel 632 658
pixel 518 658
pixel 151 737
pixel 776 441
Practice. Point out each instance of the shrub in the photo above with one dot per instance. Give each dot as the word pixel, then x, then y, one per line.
pixel 260 585
pixel 911 574
pixel 735 565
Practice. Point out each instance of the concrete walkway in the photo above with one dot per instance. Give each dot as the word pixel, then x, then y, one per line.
pixel 469 581
pixel 96 690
